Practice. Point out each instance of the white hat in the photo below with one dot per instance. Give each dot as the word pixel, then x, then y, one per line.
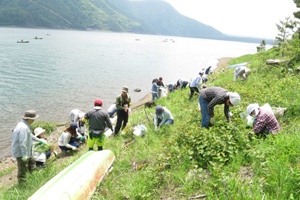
pixel 38 131
pixel 252 107
pixel 247 71
pixel 234 98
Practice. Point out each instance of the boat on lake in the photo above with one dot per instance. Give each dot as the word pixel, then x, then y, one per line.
pixel 23 41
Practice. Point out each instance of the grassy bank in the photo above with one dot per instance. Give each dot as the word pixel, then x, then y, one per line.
pixel 184 160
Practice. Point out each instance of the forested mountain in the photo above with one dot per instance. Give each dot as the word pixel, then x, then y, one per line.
pixel 136 16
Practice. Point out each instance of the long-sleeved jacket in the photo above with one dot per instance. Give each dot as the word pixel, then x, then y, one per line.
pixel 165 116
pixel 98 119
pixel 266 119
pixel 22 140
pixel 64 140
pixel 121 101
pixel 196 82
pixel 154 88
pixel 214 96
pixel 37 154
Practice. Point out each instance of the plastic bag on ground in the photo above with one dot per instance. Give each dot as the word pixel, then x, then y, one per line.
pixel 278 111
pixel 140 130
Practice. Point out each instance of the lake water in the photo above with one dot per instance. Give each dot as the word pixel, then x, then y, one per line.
pixel 70 69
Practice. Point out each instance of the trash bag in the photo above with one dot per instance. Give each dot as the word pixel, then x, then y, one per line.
pixel 267 108
pixel 278 111
pixel 163 92
pixel 108 132
pixel 250 121
pixel 244 115
pixel 140 130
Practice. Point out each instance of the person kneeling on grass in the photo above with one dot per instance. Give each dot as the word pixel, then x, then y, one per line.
pixel 68 139
pixel 264 123
pixel 162 116
pixel 40 149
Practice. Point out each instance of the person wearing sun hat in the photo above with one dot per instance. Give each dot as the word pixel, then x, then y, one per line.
pixel 162 116
pixel 123 102
pixel 98 120
pixel 265 121
pixel 22 144
pixel 39 153
pixel 241 72
pixel 212 96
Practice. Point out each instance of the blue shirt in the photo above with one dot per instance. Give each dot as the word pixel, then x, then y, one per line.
pixel 154 88
pixel 196 82
pixel 22 140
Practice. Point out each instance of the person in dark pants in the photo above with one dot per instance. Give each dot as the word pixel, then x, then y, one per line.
pixel 195 84
pixel 123 102
pixel 22 145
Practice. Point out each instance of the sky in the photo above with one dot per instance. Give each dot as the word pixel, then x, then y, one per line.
pixel 254 18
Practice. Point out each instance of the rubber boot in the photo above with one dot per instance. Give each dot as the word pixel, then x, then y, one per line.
pixel 100 148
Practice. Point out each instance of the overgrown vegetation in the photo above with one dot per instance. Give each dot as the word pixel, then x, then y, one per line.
pixel 185 160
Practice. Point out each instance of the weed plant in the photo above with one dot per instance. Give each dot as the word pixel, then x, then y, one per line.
pixel 184 160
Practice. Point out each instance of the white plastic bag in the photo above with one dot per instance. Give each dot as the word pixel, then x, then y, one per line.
pixel 250 121
pixel 140 130
pixel 267 108
pixel 108 133
pixel 163 92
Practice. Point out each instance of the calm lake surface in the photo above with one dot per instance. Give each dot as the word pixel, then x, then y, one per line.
pixel 70 69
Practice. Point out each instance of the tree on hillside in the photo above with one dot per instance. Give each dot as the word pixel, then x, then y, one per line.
pixel 287 28
pixel 297 14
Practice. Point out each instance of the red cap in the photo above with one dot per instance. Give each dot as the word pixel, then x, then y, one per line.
pixel 98 102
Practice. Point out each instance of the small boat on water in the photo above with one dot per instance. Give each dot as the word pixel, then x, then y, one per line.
pixel 37 38
pixel 23 41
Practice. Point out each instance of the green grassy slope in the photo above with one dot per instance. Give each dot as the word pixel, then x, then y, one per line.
pixel 185 160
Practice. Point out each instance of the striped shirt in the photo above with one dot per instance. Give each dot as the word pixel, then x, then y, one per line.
pixel 214 96
pixel 266 119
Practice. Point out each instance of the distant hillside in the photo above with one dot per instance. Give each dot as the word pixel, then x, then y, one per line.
pixel 143 16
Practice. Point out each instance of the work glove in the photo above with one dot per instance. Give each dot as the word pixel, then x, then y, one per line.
pixel 212 121
pixel 41 142
pixel 24 159
pixel 82 138
pixel 74 148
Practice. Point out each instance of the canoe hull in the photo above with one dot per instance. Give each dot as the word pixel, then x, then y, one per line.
pixel 79 180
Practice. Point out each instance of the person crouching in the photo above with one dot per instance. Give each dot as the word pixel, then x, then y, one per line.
pixel 67 140
pixel 264 123
pixel 162 116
